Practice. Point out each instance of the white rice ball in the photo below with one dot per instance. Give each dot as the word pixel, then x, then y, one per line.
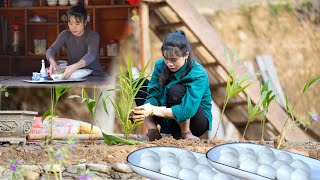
pixel 300 174
pixel 244 156
pixel 249 165
pixel 200 167
pixel 165 160
pixel 266 158
pixel 229 159
pixel 150 162
pixel 298 164
pixel 284 157
pixel 187 154
pixel 206 175
pixel 188 162
pixel 245 150
pixel 279 163
pixel 229 149
pixel 283 173
pixel 264 150
pixel 221 176
pixel 167 154
pixel 203 160
pixel 266 171
pixel 171 169
pixel 187 174
pixel 150 153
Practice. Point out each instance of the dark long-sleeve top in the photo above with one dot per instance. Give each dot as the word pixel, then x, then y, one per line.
pixel 84 47
pixel 197 94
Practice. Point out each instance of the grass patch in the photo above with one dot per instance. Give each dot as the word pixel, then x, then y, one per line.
pixel 276 9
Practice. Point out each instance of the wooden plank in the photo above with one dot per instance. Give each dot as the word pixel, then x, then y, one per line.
pixel 196 44
pixel 211 64
pixel 202 29
pixel 169 26
pixel 269 73
pixel 218 85
pixel 199 26
pixel 153 6
pixel 237 115
pixel 234 104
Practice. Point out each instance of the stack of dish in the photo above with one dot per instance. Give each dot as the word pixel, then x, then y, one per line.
pixel 52 2
pixel 73 2
pixel 63 2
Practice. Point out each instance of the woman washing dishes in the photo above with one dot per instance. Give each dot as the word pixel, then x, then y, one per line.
pixel 179 98
pixel 82 44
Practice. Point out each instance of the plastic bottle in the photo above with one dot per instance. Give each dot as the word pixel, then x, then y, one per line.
pixel 43 71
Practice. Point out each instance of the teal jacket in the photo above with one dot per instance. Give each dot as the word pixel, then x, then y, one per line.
pixel 197 91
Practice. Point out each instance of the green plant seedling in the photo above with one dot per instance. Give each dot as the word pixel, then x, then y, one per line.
pixel 55 94
pixel 290 110
pixel 126 90
pixel 235 85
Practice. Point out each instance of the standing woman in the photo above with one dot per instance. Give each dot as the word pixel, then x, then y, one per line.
pixel 179 98
pixel 82 44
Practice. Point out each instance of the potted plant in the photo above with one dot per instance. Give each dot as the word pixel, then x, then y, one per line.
pixel 15 125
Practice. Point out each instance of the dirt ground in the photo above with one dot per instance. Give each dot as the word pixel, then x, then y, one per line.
pixel 250 26
pixel 102 153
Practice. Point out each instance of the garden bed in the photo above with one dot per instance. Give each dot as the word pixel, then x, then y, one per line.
pixel 109 162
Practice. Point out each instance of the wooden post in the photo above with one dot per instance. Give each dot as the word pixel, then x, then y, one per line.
pixel 145 53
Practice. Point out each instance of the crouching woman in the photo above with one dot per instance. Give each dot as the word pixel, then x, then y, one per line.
pixel 178 95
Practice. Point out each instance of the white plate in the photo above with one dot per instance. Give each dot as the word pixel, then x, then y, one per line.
pixel 134 159
pixel 56 81
pixel 213 156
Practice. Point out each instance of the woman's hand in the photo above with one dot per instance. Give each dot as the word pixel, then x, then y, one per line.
pixel 53 66
pixel 68 71
pixel 141 112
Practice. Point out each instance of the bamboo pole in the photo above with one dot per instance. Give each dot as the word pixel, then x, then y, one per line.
pixel 75 136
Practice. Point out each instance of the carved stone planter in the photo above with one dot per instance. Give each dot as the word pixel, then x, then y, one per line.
pixel 15 125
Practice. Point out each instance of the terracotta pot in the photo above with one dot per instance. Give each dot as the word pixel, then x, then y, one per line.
pixel 15 125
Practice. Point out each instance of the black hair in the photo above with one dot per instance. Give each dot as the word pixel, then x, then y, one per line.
pixel 175 45
pixel 79 12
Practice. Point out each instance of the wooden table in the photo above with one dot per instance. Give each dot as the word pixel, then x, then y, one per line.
pixel 17 81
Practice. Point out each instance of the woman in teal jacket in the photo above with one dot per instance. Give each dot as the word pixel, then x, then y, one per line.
pixel 178 96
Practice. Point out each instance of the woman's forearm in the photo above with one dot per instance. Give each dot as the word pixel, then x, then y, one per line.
pixel 163 111
pixel 80 64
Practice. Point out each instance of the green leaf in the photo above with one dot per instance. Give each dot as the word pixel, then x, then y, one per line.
pixel 60 90
pixel 288 108
pixel 74 96
pixel 46 114
pixel 104 104
pixel 91 104
pixel 84 93
pixel 6 94
pixel 310 83
pixel 114 140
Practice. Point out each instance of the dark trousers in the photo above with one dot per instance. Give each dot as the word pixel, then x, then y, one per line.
pixel 199 123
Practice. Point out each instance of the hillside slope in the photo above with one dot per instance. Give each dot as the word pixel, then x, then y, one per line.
pixel 289 31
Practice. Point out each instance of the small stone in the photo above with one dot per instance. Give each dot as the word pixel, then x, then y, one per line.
pixel 4 172
pixel 82 160
pixel 34 168
pixel 111 159
pixel 55 167
pixel 122 167
pixel 98 175
pixel 117 175
pixel 76 168
pixel 31 175
pixel 100 168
